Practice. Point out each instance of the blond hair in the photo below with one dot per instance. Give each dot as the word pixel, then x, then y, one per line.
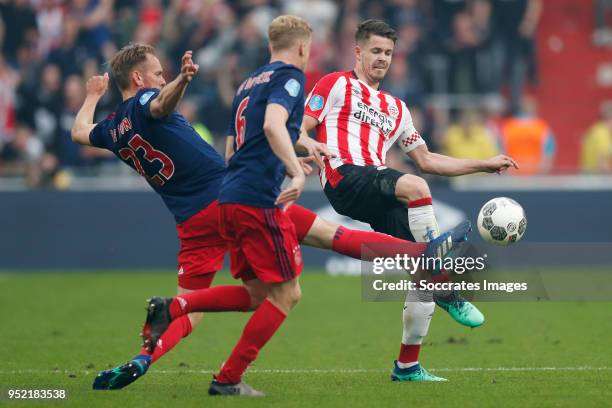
pixel 126 59
pixel 284 31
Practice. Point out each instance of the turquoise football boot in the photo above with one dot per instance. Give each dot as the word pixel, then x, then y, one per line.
pixel 414 373
pixel 462 311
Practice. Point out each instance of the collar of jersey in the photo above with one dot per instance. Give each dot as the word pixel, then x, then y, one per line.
pixel 354 75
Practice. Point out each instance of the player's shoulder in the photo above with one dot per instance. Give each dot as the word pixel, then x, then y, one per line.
pixel 330 82
pixel 282 67
pixel 333 77
pixel 143 96
pixel 286 70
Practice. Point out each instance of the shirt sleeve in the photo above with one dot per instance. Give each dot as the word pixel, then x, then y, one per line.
pixel 99 135
pixel 143 102
pixel 321 98
pixel 287 89
pixel 409 138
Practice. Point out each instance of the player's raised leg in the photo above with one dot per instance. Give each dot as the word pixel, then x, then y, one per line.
pixel 414 192
pixel 318 232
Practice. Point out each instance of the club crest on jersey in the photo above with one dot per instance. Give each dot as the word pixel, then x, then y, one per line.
pixel 297 255
pixel 293 87
pixel 144 98
pixel 393 111
pixel 316 102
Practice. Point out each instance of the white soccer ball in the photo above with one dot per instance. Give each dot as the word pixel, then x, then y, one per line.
pixel 502 221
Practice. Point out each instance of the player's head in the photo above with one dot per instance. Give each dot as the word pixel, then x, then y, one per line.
pixel 375 41
pixel 136 66
pixel 291 35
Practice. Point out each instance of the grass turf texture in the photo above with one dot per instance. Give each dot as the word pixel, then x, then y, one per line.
pixel 334 350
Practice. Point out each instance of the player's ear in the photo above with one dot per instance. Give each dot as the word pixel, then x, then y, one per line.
pixel 357 52
pixel 137 79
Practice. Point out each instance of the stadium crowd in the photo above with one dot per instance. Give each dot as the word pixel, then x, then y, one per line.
pixel 464 50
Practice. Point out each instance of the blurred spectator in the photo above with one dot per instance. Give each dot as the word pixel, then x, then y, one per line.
pixel 597 143
pixel 469 138
pixel 529 140
pixel 8 81
pixel 24 155
pixel 40 106
pixel 71 154
pixel 20 27
pixel 320 14
pixel 49 18
pixel 515 26
pixel 494 108
pixel 95 17
pixel 69 55
pixel 150 18
pixel 189 109
pixel 462 46
pixel 603 29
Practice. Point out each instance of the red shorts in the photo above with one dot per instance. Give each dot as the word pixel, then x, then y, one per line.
pixel 202 248
pixel 263 243
pixel 302 218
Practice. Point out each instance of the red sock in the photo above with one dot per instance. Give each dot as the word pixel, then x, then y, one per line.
pixel 374 244
pixel 178 329
pixel 409 353
pixel 228 298
pixel 259 329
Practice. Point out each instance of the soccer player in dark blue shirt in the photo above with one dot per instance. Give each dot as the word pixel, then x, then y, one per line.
pixel 267 116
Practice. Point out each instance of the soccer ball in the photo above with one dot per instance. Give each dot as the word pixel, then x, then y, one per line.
pixel 502 221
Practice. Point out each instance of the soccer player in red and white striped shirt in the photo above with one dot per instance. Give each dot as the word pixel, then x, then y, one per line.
pixel 359 123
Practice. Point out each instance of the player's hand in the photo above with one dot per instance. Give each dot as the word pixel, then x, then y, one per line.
pixel 188 68
pixel 499 164
pixel 304 162
pixel 97 85
pixel 292 192
pixel 314 148
pixel 318 151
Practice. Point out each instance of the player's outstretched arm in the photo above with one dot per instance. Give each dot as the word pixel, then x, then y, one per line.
pixel 96 87
pixel 439 164
pixel 276 132
pixel 171 94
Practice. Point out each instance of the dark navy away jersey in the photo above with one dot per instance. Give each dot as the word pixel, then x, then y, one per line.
pixel 254 174
pixel 180 166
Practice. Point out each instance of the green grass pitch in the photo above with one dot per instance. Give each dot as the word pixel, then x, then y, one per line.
pixel 58 330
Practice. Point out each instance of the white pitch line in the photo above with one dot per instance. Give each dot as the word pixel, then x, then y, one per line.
pixel 322 371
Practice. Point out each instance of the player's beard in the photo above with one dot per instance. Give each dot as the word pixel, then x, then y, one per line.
pixel 378 74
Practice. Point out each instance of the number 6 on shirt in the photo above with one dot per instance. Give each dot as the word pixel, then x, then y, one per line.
pixel 240 122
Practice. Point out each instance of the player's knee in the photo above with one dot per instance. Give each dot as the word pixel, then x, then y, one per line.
pixel 195 319
pixel 257 294
pixel 286 295
pixel 410 187
pixel 321 234
pixel 295 295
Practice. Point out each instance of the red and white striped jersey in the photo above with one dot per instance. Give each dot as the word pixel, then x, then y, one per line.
pixel 359 123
